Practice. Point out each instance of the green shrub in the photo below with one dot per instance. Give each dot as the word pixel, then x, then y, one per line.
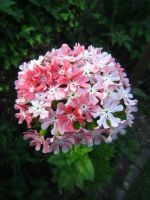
pixel 30 27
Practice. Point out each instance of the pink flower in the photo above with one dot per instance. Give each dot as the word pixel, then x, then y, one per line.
pixel 96 92
pixel 97 135
pixel 78 49
pixel 37 141
pixel 119 130
pixel 53 121
pixel 85 106
pixel 55 93
pixel 68 88
pixel 23 115
pixel 38 78
pixel 75 80
pixel 68 117
pixel 49 121
pixel 61 142
pixel 83 136
pixel 87 138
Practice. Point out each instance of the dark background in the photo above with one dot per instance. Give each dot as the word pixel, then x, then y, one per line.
pixel 30 28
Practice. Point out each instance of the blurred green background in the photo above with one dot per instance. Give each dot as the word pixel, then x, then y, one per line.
pixel 30 28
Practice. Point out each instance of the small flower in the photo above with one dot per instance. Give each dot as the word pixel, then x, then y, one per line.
pixel 68 117
pixel 87 138
pixel 101 60
pixel 53 121
pixel 125 94
pixel 129 112
pixel 106 113
pixel 55 93
pixel 97 135
pixel 85 106
pixel 37 140
pixel 119 130
pixel 61 142
pixel 110 78
pixel 23 115
pixel 75 80
pixel 38 108
pixel 96 92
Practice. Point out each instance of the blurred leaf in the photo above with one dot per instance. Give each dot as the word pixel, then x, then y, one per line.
pixel 7 6
pixel 85 168
pixel 121 38
pixel 140 93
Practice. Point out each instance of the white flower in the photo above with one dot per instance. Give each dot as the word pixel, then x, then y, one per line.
pixel 129 112
pixel 112 93
pixel 110 78
pixel 40 96
pixel 102 59
pixel 124 93
pixel 87 69
pixel 38 108
pixel 105 113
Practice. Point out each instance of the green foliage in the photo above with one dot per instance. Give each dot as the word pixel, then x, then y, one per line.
pixel 131 149
pixel 25 34
pixel 73 168
pixel 140 188
pixel 128 147
pixel 121 39
pixel 102 158
pixel 91 125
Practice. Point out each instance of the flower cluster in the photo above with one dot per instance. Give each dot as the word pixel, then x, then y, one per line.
pixel 73 96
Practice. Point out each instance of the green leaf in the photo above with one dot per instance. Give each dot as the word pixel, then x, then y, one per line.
pixel 85 168
pixel 64 16
pixel 140 93
pixel 121 38
pixel 26 30
pixel 5 5
pixel 1 89
pixel 58 160
pixel 65 179
pixel 76 125
pixel 78 179
pixel 120 115
pixel 38 38
pixel 8 7
pixel 36 2
pixel 43 132
pixel 91 125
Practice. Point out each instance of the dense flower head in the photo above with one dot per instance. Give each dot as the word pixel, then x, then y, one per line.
pixel 73 96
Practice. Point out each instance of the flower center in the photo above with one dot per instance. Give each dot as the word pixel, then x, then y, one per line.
pixel 73 83
pixel 61 72
pixel 52 90
pixel 106 111
pixel 92 90
pixel 71 117
pixel 43 79
pixel 83 107
pixel 31 89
